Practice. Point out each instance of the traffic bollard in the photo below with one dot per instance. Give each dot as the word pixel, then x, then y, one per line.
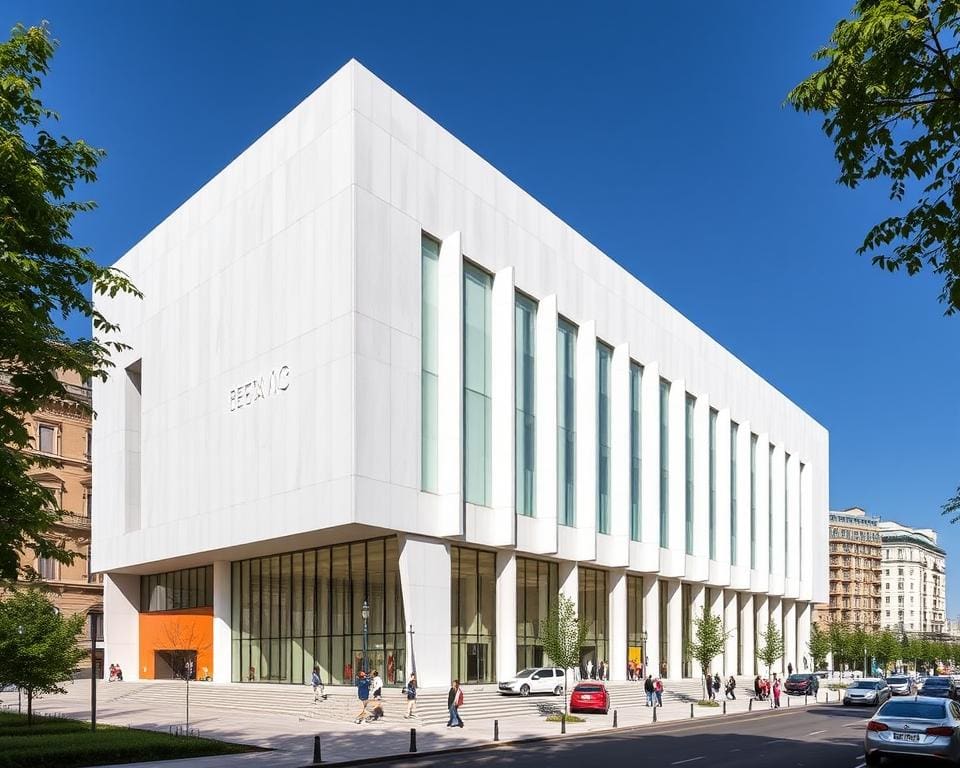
pixel 654 713
pixel 496 730
pixel 724 706
pixel 316 750
pixel 691 710
pixel 750 706
pixel 413 739
pixel 788 702
pixel 614 718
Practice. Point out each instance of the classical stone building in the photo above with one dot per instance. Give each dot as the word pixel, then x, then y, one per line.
pixel 854 571
pixel 914 580
pixel 61 431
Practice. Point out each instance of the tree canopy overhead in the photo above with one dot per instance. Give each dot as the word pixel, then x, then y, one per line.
pixel 889 93
pixel 44 278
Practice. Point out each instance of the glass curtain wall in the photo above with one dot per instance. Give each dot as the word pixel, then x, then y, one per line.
pixel 636 374
pixel 713 484
pixel 429 347
pixel 800 524
pixel 636 652
pixel 566 423
pixel 691 403
pixel 525 329
pixel 663 596
pixel 473 596
pixel 740 634
pixel 538 583
pixel 593 606
pixel 604 356
pixel 786 512
pixel 664 463
pixel 753 501
pixel 177 590
pixel 734 429
pixel 770 510
pixel 476 386
pixel 300 609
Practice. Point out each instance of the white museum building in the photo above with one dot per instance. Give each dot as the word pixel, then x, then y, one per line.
pixel 381 407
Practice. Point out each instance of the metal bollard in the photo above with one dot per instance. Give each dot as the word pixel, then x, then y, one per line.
pixel 413 739
pixel 654 713
pixel 724 706
pixel 691 710
pixel 496 730
pixel 316 750
pixel 788 701
pixel 614 718
pixel 563 723
pixel 750 705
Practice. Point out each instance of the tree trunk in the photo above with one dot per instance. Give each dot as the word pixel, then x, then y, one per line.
pixel 29 706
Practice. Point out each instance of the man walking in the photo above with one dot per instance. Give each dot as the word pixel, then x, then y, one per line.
pixel 454 700
pixel 363 695
pixel 410 689
pixel 648 689
pixel 658 691
pixel 317 685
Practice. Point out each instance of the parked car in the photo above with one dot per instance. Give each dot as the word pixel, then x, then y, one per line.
pixel 590 697
pixel 918 727
pixel 534 680
pixel 871 691
pixel 938 687
pixel 802 684
pixel 901 685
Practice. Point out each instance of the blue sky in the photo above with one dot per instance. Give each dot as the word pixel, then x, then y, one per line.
pixel 655 129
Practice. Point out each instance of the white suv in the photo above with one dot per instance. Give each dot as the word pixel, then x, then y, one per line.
pixel 534 680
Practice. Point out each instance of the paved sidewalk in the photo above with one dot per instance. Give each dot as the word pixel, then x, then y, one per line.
pixel 291 736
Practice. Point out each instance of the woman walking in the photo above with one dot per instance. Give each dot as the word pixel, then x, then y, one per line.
pixel 658 691
pixel 411 690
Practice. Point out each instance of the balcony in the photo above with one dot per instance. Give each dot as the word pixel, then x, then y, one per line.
pixel 73 520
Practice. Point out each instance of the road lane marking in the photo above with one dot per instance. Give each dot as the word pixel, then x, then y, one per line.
pixel 862 765
pixel 816 733
pixel 688 760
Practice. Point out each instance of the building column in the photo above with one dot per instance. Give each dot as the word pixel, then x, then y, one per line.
pixel 790 635
pixel 222 649
pixel 761 617
pixel 617 626
pixel 803 637
pixel 776 616
pixel 734 638
pixel 698 599
pixel 674 629
pixel 651 625
pixel 715 602
pixel 506 615
pixel 121 623
pixel 748 649
pixel 425 584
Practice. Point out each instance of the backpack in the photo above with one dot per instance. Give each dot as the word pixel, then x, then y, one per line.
pixel 459 701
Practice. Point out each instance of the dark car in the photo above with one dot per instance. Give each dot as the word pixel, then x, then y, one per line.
pixel 938 687
pixel 802 685
pixel 590 697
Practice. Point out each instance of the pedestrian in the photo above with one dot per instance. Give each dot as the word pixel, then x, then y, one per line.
pixel 790 668
pixel 376 686
pixel 363 695
pixel 757 688
pixel 113 673
pixel 317 684
pixel 716 685
pixel 410 691
pixel 658 690
pixel 119 674
pixel 454 700
pixel 709 681
pixel 631 671
pixel 731 689
pixel 776 692
pixel 648 689
pixel 589 669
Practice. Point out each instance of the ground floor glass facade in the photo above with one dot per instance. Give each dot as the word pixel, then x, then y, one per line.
pixel 593 604
pixel 473 615
pixel 537 589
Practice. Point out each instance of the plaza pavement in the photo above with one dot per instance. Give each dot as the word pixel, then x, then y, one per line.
pixel 285 720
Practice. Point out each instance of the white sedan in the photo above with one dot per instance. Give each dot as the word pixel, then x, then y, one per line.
pixel 534 680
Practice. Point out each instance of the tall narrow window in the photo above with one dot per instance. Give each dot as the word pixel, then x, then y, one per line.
pixel 691 403
pixel 800 505
pixel 770 509
pixel 604 355
pixel 734 429
pixel 526 315
pixel 664 463
pixel 476 386
pixel 566 423
pixel 713 484
pixel 636 374
pixel 753 501
pixel 429 345
pixel 786 510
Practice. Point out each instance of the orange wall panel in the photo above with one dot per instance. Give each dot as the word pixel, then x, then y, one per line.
pixel 189 629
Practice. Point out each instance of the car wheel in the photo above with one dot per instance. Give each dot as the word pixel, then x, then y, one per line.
pixel 524 690
pixel 558 691
pixel 605 711
pixel 873 759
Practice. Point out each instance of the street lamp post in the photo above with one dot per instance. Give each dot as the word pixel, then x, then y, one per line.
pixel 19 689
pixel 365 613
pixel 643 650
pixel 94 618
pixel 413 659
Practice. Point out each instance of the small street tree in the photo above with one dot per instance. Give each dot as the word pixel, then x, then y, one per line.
pixel 771 646
pixel 707 643
pixel 38 646
pixel 886 648
pixel 819 646
pixel 561 636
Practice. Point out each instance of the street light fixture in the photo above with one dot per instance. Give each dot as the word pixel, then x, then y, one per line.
pixel 365 613
pixel 643 650
pixel 94 619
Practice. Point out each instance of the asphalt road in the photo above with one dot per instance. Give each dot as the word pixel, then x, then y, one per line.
pixel 818 737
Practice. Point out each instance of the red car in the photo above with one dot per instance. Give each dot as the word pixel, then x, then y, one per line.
pixel 590 697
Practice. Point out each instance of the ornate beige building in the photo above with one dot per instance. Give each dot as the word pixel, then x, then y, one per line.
pixel 855 567
pixel 62 431
pixel 914 580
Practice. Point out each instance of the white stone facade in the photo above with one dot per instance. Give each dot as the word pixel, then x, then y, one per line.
pixel 279 395
pixel 914 580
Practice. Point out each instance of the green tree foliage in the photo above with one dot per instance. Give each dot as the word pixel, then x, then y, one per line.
pixel 889 92
pixel 707 643
pixel 819 646
pixel 840 644
pixel 562 635
pixel 886 648
pixel 771 646
pixel 44 277
pixel 38 647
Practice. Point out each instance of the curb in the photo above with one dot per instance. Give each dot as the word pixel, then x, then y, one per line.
pixel 535 739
